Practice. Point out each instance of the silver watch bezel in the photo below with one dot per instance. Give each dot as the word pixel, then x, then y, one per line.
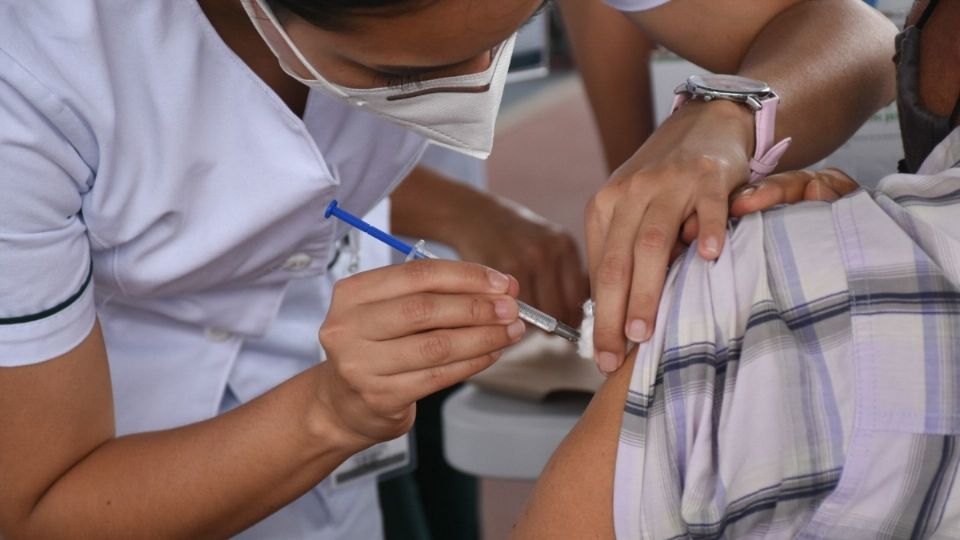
pixel 750 92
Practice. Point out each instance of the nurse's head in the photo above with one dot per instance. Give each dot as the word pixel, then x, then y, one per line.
pixel 436 67
pixel 372 43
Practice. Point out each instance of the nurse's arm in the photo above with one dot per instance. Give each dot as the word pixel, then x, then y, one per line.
pixel 392 336
pixel 64 475
pixel 829 60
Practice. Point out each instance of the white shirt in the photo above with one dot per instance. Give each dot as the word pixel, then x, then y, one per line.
pixel 133 139
pixel 635 5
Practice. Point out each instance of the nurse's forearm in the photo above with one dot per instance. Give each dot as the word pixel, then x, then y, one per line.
pixel 829 60
pixel 207 480
pixel 830 78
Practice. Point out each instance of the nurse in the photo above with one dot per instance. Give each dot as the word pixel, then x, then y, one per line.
pixel 163 254
pixel 163 257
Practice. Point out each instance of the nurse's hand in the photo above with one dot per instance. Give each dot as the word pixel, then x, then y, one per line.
pixel 397 334
pixel 690 165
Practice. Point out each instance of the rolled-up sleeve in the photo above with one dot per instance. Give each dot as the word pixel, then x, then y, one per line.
pixel 46 289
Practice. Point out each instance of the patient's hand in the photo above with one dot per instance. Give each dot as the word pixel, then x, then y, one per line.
pixel 785 188
pixel 542 255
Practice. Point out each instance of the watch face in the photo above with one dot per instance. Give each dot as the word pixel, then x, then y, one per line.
pixel 729 83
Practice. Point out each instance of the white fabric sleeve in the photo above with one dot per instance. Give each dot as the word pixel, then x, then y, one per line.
pixel 635 5
pixel 46 290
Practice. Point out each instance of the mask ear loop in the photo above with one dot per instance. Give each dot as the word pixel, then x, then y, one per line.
pixel 275 22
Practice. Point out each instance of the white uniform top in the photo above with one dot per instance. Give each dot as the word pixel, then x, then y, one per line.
pixel 134 142
pixel 635 5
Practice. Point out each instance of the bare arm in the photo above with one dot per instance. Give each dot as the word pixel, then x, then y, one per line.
pixel 613 58
pixel 574 495
pixel 830 62
pixel 392 336
pixel 66 476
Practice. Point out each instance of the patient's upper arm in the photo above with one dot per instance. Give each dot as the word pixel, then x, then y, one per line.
pixel 574 496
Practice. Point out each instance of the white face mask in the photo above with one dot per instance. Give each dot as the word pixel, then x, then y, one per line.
pixel 456 112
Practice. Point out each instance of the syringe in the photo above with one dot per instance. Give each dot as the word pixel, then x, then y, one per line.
pixel 528 313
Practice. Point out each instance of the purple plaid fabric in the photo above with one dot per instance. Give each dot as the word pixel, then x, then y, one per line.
pixel 807 384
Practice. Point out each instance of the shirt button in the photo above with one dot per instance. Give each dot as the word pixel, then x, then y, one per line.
pixel 297 262
pixel 217 334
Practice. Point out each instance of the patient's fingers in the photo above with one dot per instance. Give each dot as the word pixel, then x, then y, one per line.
pixel 791 187
pixel 830 185
pixel 818 190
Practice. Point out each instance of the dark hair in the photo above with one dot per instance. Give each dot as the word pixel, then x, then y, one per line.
pixel 343 14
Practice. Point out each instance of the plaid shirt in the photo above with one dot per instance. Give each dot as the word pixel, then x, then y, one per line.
pixel 807 384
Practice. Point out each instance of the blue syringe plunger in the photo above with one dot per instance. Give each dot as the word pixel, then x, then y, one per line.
pixel 354 221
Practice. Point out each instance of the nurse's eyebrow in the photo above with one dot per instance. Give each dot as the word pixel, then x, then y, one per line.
pixel 412 71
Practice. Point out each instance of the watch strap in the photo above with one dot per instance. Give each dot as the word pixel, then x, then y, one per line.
pixel 766 155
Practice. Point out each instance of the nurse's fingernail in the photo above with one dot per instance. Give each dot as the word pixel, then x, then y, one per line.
pixel 608 362
pixel 516 330
pixel 711 246
pixel 506 310
pixel 637 331
pixel 499 281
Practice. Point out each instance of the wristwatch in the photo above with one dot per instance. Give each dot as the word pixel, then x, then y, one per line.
pixel 756 95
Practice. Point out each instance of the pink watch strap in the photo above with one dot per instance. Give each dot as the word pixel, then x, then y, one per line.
pixel 767 155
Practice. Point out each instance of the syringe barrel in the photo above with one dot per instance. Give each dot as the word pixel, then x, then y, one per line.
pixel 537 318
